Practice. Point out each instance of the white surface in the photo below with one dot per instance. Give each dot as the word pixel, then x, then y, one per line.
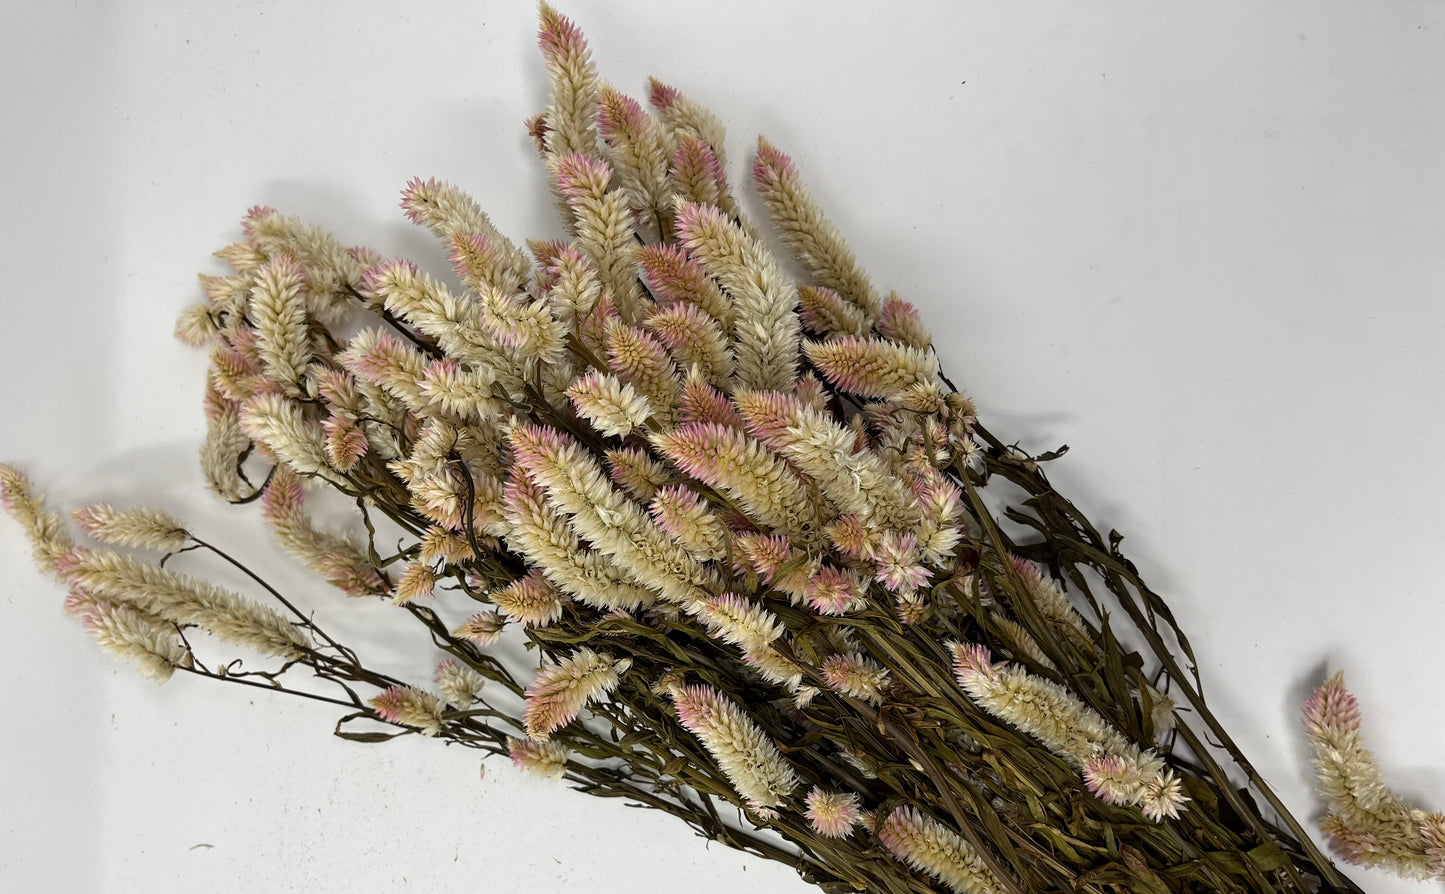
pixel 1198 242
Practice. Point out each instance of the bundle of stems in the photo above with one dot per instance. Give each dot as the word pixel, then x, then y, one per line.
pixel 777 578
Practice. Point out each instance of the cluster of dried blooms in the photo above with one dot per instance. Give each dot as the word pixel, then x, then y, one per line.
pixel 740 518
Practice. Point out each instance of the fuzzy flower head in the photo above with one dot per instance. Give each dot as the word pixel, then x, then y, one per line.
pixel 1332 714
pixel 581 178
pixel 613 408
pixel 546 760
pixel 532 600
pixel 137 636
pixel 871 367
pixel 686 517
pixel 483 628
pixel 405 706
pixel 697 174
pixel 761 554
pixel 746 755
pixel 734 619
pixel 856 676
pixel 560 691
pixel 48 541
pixel 900 568
pixel 832 814
pixel 417 579
pixel 142 528
pixel 928 846
pixel 832 591
pixel 459 684
pixel 1163 797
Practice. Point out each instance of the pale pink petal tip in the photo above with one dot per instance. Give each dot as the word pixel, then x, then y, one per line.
pixel 558 36
pixel 617 114
pixel 1104 776
pixel 662 96
pixel 1332 710
pixel 771 163
pixel 253 214
pixel 971 660
pixel 581 176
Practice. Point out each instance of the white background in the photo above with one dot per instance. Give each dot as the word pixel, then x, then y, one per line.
pixel 1200 243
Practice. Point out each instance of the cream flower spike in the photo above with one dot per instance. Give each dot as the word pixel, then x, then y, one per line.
pixel 1368 824
pixel 142 528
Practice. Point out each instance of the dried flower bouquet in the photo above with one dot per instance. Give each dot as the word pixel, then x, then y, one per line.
pixel 758 540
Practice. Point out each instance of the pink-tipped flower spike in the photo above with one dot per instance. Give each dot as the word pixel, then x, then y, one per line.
pixel 749 759
pixel 196 326
pixel 832 814
pixel 546 760
pixel 662 96
pixel 856 676
pixel 766 348
pixel 640 360
pixel 687 118
pixel 141 528
pixel 581 178
pixel 736 620
pixel 613 408
pixel 808 232
pixel 616 526
pixel 464 392
pixel 929 847
pixel 377 356
pixel 761 554
pixel 686 517
pixel 768 415
pixel 1108 779
pixel 851 537
pixel 701 402
pixel 871 367
pixel 483 628
pixel 532 601
pixel 1113 767
pixel 694 339
pixel 696 174
pixel 764 486
pixel 416 580
pixel 560 691
pixel 346 443
pixel 833 591
pixel 447 211
pixel 338 560
pixel 901 322
pixel 1368 822
pixel 278 312
pixel 620 119
pixel 637 473
pixel 474 258
pixel 256 216
pixel 136 636
pixel 1332 714
pixel 673 277
pixel 244 257
pixel 568 123
pixel 405 706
